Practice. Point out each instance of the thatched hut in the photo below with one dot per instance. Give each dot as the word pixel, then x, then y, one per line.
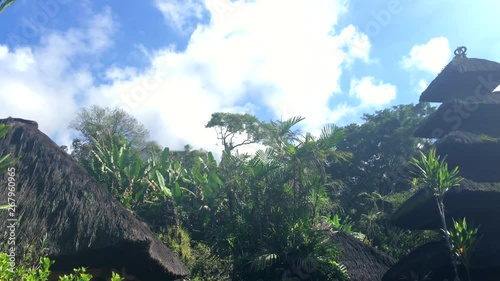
pixel 463 78
pixel 84 224
pixel 466 126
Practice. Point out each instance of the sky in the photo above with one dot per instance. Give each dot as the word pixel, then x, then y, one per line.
pixel 172 63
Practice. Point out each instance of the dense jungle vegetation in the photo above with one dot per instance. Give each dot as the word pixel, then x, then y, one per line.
pixel 252 217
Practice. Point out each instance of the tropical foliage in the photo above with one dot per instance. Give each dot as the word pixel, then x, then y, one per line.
pixel 41 272
pixel 463 241
pixel 433 174
pixel 256 216
pixel 376 180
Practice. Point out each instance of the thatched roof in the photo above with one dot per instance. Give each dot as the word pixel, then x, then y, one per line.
pixel 433 259
pixel 476 156
pixel 85 225
pixel 479 202
pixel 362 261
pixel 463 78
pixel 467 138
pixel 474 116
pixel 420 262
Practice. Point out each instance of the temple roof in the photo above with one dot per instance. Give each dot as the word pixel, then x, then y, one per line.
pixel 463 78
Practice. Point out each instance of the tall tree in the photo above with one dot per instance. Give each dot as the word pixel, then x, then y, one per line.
pixel 381 147
pixel 95 121
pixel 377 176
pixel 272 201
pixel 235 130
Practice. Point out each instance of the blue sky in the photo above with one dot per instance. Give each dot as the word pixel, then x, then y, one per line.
pixel 172 63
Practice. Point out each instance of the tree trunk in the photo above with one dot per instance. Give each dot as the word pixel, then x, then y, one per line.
pixel 440 204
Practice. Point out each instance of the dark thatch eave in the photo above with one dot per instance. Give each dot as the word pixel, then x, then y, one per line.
pixel 476 201
pixel 477 156
pixel 463 78
pixel 362 261
pixel 433 259
pixel 419 262
pixel 474 116
pixel 85 225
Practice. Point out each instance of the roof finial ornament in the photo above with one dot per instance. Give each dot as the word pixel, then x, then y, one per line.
pixel 461 53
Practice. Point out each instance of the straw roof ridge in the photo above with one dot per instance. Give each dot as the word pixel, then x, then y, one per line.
pixel 462 78
pixel 461 65
pixel 57 197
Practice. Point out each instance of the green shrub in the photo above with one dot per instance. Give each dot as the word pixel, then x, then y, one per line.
pixel 178 240
pixel 202 263
pixel 208 267
pixel 41 272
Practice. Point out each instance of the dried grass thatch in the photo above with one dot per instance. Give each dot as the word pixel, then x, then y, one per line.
pixel 474 116
pixel 362 261
pixel 85 225
pixel 479 202
pixel 433 260
pixel 420 262
pixel 463 78
pixel 477 156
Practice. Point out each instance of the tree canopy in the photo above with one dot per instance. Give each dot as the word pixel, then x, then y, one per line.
pixel 235 130
pixel 377 179
pixel 255 216
pixel 96 120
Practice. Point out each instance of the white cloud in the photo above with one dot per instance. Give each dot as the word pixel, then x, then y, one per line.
pixel 237 63
pixel 431 57
pixel 422 85
pixel 98 31
pixel 39 83
pixel 279 56
pixel 372 93
pixel 180 13
pixel 357 43
pixel 23 59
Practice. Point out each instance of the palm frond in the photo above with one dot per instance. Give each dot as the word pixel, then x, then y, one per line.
pixel 264 261
pixel 5 4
